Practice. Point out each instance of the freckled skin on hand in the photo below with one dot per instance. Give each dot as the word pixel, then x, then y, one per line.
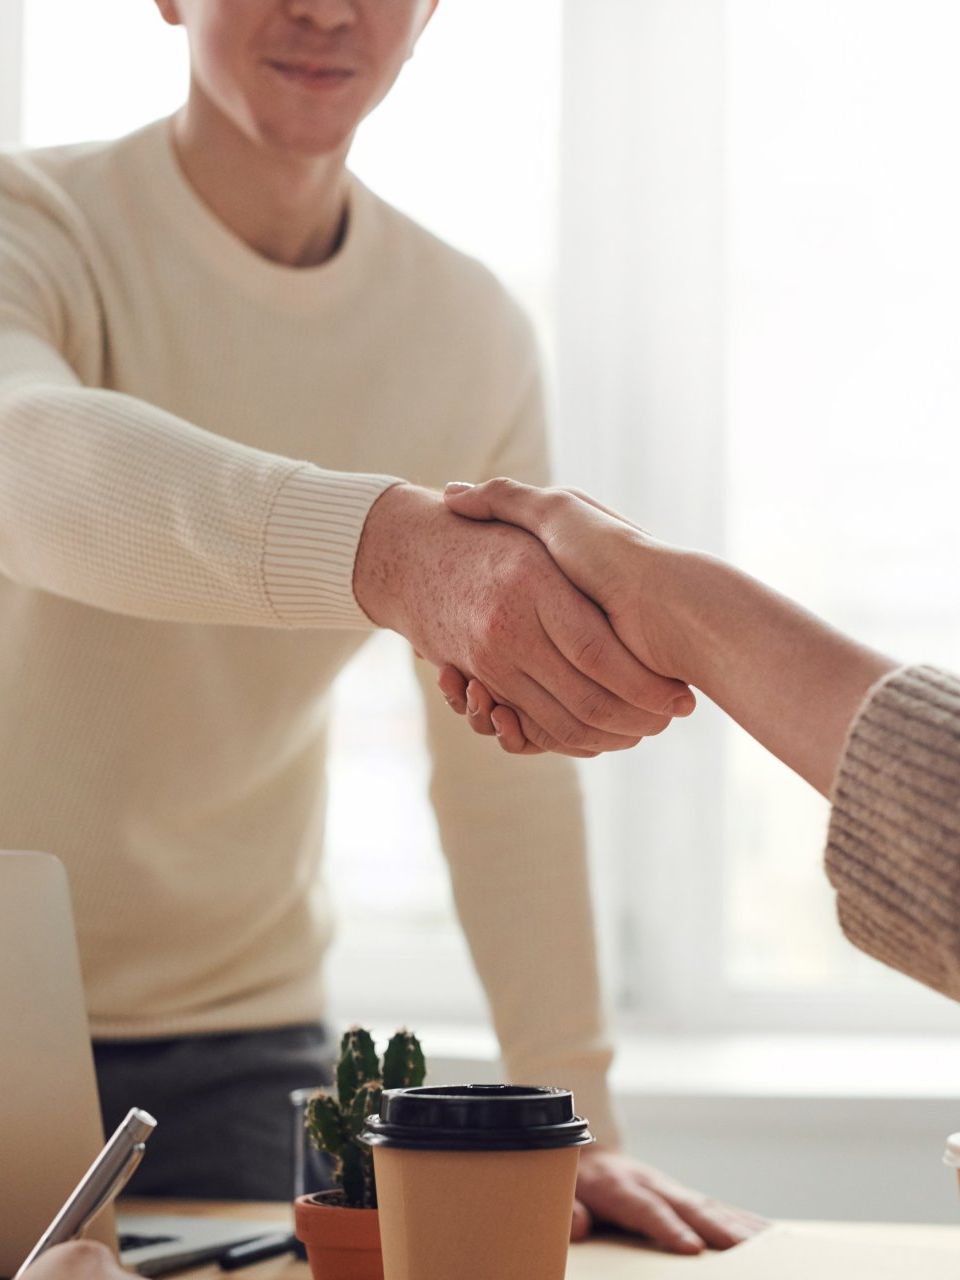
pixel 488 599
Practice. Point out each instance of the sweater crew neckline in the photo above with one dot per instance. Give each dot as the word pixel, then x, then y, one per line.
pixel 288 288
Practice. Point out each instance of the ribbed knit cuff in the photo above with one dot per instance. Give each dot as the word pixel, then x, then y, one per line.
pixel 592 1099
pixel 893 851
pixel 591 1095
pixel 310 546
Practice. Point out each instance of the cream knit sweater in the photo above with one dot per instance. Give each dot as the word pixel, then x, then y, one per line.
pixel 191 437
pixel 893 852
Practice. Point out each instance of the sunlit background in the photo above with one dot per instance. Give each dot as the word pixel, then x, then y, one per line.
pixel 786 232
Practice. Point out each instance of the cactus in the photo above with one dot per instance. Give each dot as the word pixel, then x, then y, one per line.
pixel 334 1123
pixel 403 1064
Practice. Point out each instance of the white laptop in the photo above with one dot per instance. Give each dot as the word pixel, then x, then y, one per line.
pixel 50 1128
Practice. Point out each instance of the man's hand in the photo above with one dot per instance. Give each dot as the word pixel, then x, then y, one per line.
pixel 489 600
pixel 79 1260
pixel 613 1189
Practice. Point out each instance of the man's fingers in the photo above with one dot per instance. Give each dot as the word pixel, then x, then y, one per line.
pixel 507 727
pixel 718 1224
pixel 581 1223
pixel 636 1209
pixel 453 686
pixel 720 1230
pixel 479 706
pixel 488 717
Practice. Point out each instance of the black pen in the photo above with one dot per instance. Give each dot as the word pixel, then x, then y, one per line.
pixel 258 1250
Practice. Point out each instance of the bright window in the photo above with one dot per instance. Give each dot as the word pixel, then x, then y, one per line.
pixel 758 356
pixel 843 368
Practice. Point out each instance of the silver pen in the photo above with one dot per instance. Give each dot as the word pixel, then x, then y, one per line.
pixel 99 1185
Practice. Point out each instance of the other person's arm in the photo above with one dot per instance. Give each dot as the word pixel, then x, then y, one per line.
pixel 883 742
pixel 791 680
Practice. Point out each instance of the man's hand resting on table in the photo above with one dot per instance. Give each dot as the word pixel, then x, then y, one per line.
pixel 612 1188
pixel 79 1260
pixel 489 600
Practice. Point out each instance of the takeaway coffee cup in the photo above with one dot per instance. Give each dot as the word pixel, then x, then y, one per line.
pixel 475 1181
pixel 952 1154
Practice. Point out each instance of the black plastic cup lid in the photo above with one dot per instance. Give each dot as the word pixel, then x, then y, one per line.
pixel 477 1117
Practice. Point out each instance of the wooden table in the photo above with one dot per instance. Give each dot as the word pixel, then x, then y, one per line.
pixel 598 1259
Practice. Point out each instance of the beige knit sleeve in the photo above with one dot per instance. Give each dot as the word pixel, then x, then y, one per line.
pixel 112 502
pixel 893 851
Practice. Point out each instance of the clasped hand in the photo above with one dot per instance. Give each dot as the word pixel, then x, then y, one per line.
pixel 489 600
pixel 609 560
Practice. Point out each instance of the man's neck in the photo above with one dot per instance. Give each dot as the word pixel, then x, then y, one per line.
pixel 288 208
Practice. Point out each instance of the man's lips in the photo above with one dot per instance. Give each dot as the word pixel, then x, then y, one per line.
pixel 311 73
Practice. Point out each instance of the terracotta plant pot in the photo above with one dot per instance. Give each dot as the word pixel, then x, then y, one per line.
pixel 341 1244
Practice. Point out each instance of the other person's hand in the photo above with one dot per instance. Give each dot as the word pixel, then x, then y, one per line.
pixel 489 600
pixel 614 1189
pixel 605 556
pixel 786 676
pixel 612 561
pixel 78 1260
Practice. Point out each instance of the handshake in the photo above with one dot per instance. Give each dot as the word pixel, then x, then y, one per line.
pixel 531 607
pixel 560 626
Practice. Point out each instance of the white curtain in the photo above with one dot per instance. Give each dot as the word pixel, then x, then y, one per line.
pixel 759 354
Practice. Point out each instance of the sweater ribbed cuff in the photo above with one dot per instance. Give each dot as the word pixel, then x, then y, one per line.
pixel 310 546
pixel 591 1094
pixel 592 1099
pixel 894 838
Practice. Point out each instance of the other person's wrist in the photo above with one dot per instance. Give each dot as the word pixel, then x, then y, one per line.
pixel 669 593
pixel 708 612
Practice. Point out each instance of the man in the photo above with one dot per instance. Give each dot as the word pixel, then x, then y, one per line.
pixel 218 353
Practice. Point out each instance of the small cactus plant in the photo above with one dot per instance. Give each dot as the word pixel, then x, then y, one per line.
pixel 334 1123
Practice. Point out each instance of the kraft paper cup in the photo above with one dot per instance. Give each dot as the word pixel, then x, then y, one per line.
pixel 476 1181
pixel 951 1155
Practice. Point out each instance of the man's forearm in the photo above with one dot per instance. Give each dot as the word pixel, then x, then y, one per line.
pixel 793 682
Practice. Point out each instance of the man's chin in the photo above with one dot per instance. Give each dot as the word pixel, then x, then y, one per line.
pixel 313 141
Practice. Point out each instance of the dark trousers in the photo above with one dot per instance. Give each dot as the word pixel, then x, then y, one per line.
pixel 225 1123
